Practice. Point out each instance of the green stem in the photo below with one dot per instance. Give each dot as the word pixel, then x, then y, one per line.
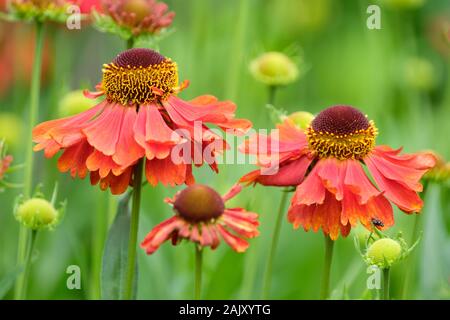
pixel 28 178
pixel 411 266
pixel 134 227
pixel 273 248
pixel 130 43
pixel 386 284
pixel 325 291
pixel 272 95
pixel 198 272
pixel 99 231
pixel 22 292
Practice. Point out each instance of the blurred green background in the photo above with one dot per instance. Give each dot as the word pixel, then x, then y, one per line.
pixel 398 75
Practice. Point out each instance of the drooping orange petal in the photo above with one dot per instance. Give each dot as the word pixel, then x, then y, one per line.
pixel 104 164
pixel 128 151
pixel 332 173
pixel 241 223
pixel 406 199
pixel 117 184
pixel 290 173
pixel 358 182
pixel 165 172
pixel 153 134
pixel 159 234
pixel 236 243
pixel 74 159
pixel 311 190
pixel 103 132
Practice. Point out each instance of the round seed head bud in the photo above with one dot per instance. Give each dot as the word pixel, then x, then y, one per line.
pixel 73 103
pixel 301 119
pixel 419 74
pixel 199 203
pixel 274 69
pixel 384 253
pixel 11 129
pixel 37 214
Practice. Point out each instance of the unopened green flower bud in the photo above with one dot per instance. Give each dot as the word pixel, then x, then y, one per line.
pixel 440 172
pixel 11 129
pixel 419 74
pixel 37 213
pixel 274 69
pixel 384 253
pixel 301 119
pixel 73 103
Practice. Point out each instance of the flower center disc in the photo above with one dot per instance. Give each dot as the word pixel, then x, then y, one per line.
pixel 341 132
pixel 199 203
pixel 139 76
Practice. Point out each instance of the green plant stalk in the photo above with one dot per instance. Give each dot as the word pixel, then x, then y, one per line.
pixel 410 261
pixel 272 94
pixel 386 273
pixel 198 272
pixel 130 43
pixel 28 178
pixel 99 232
pixel 273 248
pixel 325 290
pixel 134 228
pixel 22 292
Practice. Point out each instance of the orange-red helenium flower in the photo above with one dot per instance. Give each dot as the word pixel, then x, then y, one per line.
pixel 201 217
pixel 326 164
pixel 139 118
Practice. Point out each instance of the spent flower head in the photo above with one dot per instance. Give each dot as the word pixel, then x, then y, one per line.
pixel 38 10
pixel 134 18
pixel 202 217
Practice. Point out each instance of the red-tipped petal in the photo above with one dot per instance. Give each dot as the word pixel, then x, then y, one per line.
pixel 236 243
pixel 405 198
pixel 159 234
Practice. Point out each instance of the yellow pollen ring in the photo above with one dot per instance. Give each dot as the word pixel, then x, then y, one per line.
pixel 138 85
pixel 355 145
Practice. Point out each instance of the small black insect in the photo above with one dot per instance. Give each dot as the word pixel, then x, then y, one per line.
pixel 377 222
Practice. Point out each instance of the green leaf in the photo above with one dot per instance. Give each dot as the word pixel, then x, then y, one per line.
pixel 115 255
pixel 8 281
